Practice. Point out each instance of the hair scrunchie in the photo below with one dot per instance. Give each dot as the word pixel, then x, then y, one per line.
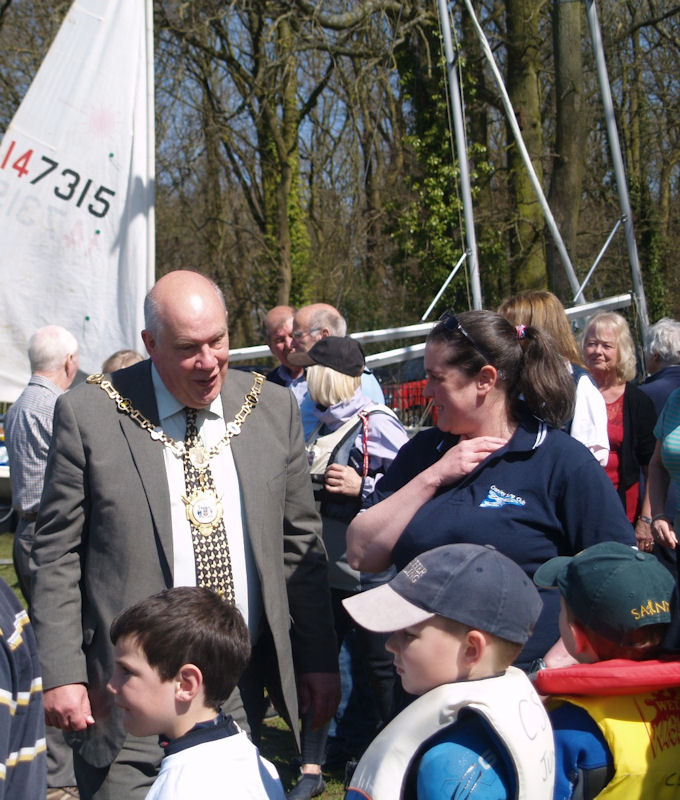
pixel 521 331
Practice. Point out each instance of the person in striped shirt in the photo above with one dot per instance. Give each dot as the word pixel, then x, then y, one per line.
pixel 23 760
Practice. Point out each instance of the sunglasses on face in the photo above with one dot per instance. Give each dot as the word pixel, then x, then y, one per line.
pixel 297 335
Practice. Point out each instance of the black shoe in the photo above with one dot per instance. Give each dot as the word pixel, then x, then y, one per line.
pixel 350 769
pixel 308 786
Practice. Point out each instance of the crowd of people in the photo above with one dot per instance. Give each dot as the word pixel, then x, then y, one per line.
pixel 490 603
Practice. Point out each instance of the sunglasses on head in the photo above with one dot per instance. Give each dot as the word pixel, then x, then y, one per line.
pixel 450 321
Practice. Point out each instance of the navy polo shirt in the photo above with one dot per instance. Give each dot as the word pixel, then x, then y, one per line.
pixel 541 495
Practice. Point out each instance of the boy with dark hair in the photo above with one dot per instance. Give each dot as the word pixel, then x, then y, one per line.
pixel 459 616
pixel 615 714
pixel 178 655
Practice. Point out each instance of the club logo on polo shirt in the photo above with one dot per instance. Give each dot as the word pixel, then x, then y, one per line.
pixel 497 498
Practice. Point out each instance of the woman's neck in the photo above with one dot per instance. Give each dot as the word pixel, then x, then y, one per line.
pixel 503 429
pixel 494 422
pixel 612 390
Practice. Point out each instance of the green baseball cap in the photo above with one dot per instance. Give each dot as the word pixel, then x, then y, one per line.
pixel 611 588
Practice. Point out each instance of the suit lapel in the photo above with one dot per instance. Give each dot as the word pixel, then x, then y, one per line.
pixel 247 459
pixel 147 454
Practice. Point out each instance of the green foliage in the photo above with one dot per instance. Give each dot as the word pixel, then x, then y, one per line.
pixel 653 265
pixel 428 230
pixel 300 246
pixel 494 275
pixel 6 567
pixel 430 223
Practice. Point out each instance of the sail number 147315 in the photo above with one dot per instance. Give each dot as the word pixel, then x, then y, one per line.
pixel 67 184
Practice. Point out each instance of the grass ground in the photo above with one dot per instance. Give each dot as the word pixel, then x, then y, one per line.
pixel 6 569
pixel 278 744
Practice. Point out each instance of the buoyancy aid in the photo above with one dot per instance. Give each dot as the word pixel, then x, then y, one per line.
pixel 640 722
pixel 510 705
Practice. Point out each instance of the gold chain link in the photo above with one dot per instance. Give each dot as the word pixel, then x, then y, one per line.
pixel 233 428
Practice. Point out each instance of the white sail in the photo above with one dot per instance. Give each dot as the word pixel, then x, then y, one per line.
pixel 76 191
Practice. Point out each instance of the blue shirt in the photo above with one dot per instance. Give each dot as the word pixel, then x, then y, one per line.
pixel 466 762
pixel 282 377
pixel 540 496
pixel 659 385
pixel 583 760
pixel 667 431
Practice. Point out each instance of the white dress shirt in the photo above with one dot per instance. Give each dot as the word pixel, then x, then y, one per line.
pixel 211 428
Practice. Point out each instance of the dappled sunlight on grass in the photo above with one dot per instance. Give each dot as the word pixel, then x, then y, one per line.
pixel 278 746
pixel 6 569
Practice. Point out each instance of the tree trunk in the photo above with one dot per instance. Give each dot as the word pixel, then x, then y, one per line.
pixel 528 267
pixel 567 175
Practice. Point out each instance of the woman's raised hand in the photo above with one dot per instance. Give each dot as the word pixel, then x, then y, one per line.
pixel 464 457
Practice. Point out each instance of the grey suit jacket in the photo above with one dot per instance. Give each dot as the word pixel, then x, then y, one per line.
pixel 104 537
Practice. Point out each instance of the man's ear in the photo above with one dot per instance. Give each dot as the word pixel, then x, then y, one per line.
pixel 70 365
pixel 149 341
pixel 188 682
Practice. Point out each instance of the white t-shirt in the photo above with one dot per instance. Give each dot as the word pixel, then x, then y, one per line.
pixel 211 425
pixel 225 767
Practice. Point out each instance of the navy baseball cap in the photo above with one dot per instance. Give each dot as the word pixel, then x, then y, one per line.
pixel 469 583
pixel 341 353
pixel 611 588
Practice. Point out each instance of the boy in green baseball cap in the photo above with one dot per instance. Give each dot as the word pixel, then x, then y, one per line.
pixel 615 714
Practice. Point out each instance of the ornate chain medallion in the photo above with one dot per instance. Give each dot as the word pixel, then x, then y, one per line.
pixel 199 454
pixel 204 510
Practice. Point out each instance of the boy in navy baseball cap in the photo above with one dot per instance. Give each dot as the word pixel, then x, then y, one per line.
pixel 459 616
pixel 617 707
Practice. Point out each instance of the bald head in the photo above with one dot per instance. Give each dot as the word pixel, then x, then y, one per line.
pixel 180 288
pixel 186 336
pixel 275 318
pixel 277 328
pixel 314 322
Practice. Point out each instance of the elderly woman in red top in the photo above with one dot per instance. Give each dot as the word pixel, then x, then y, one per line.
pixel 609 353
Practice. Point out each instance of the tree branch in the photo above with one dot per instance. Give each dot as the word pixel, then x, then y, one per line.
pixel 3 8
pixel 653 21
pixel 349 18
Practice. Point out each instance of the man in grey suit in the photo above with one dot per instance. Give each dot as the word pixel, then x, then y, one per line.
pixel 117 523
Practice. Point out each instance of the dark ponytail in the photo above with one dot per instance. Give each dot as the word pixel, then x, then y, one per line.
pixel 529 365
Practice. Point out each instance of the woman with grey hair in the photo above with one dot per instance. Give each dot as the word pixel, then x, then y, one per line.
pixel 609 353
pixel 662 361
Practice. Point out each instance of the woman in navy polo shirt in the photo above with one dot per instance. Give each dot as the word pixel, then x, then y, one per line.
pixel 497 470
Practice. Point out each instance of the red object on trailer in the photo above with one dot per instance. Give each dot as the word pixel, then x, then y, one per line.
pixel 403 385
